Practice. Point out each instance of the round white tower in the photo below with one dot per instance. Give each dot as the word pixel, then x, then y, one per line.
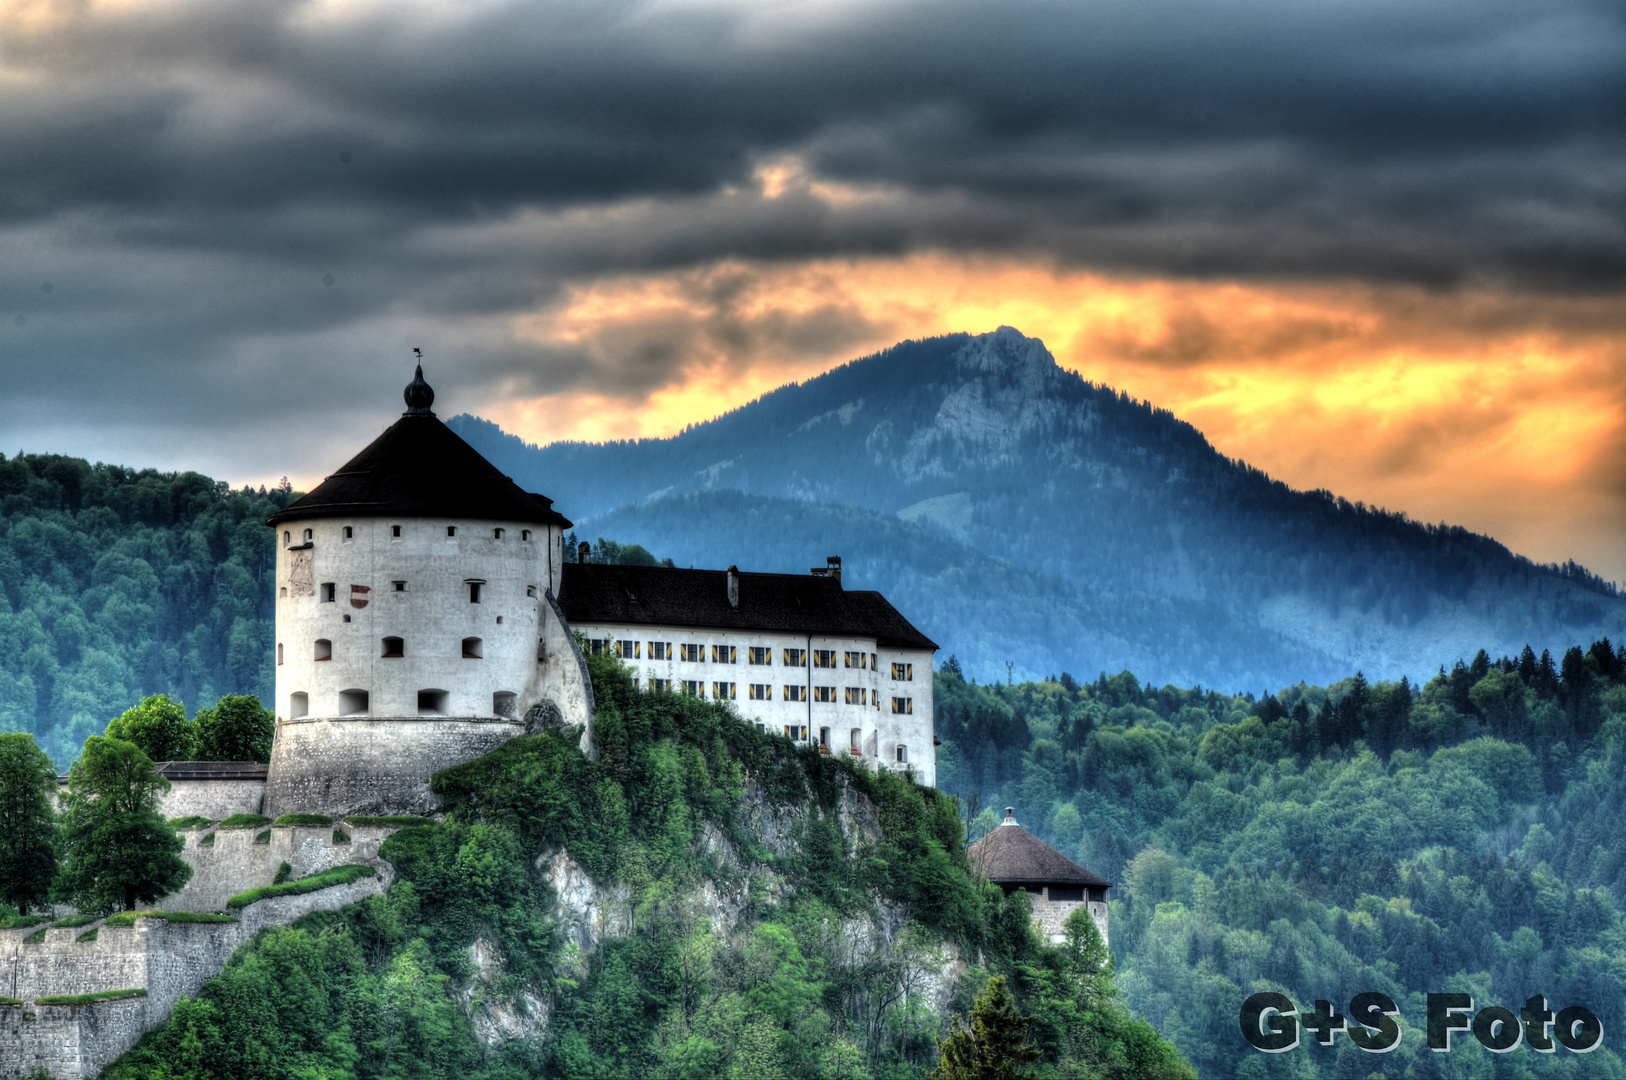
pixel 416 622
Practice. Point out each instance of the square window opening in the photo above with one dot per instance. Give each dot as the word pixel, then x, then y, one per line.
pixel 433 702
pixel 324 649
pixel 394 648
pixel 505 703
pixel 299 704
pixel 353 703
pixel 473 648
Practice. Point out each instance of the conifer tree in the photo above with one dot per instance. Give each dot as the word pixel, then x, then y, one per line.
pixel 116 849
pixel 995 1046
pixel 27 822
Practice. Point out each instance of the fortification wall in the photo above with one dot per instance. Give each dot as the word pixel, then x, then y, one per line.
pixel 213 799
pixel 1051 915
pixel 168 960
pixel 237 860
pixel 373 765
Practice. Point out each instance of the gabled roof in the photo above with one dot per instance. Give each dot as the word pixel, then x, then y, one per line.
pixel 1010 855
pixel 420 467
pixel 794 603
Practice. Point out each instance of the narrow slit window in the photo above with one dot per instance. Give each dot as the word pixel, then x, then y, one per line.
pixel 308 535
pixel 394 647
pixel 324 649
pixel 473 648
pixel 903 754
pixel 279 653
pixel 287 538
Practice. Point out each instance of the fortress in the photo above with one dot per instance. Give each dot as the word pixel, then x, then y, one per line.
pixel 427 611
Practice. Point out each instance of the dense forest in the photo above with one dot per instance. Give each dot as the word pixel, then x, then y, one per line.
pixel 120 583
pixel 1462 835
pixel 1187 566
pixel 813 959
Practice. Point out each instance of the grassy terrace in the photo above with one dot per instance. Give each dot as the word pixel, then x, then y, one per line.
pixel 339 875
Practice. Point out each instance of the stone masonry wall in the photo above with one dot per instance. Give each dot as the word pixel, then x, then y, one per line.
pixel 213 799
pixel 237 860
pixel 169 960
pixel 373 765
pixel 1051 915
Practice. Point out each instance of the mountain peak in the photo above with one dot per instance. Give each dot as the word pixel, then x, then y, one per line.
pixel 1011 353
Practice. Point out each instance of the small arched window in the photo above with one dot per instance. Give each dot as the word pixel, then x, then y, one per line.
pixel 451 530
pixel 324 649
pixel 279 652
pixel 393 647
pixel 496 534
pixel 525 534
pixel 530 590
pixel 299 704
pixel 308 535
pixel 287 538
pixel 474 590
pixel 504 703
pixel 473 648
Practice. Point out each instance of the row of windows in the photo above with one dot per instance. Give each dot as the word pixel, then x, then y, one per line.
pixel 349 533
pixel 855 746
pixel 727 691
pixel 758 655
pixel 393 648
pixel 329 590
pixel 431 702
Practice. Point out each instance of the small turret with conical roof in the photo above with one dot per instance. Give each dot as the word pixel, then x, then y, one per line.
pixel 1014 858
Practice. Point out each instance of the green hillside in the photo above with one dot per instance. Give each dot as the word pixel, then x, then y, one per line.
pixel 844 923
pixel 118 583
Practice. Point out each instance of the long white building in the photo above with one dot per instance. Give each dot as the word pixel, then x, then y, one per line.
pixel 795 654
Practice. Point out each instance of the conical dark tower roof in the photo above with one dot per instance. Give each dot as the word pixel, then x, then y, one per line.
pixel 1010 855
pixel 420 467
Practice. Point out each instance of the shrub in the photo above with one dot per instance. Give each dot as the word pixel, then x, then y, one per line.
pixel 340 837
pixel 207 840
pixel 245 821
pixel 339 875
pixel 193 822
pixel 263 838
pixel 303 819
pixel 88 935
pixel 10 1001
pixel 387 821
pixel 284 872
pixel 86 999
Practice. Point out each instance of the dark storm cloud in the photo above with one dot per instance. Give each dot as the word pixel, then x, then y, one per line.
pixel 229 198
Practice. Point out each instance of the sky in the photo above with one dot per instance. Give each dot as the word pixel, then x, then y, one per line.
pixel 1375 247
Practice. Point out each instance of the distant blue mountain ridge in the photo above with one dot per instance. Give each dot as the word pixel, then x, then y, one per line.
pixel 1033 522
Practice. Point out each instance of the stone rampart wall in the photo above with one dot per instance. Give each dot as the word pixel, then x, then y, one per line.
pixel 213 799
pixel 168 960
pixel 373 765
pixel 237 860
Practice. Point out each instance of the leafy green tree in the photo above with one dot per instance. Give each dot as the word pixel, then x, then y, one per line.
pixel 27 822
pixel 158 726
pixel 994 1046
pixel 116 848
pixel 235 728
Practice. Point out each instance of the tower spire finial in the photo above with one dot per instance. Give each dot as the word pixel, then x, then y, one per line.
pixel 418 394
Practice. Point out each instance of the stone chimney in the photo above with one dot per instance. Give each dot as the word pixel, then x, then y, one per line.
pixel 830 569
pixel 734 587
pixel 1010 816
pixel 584 553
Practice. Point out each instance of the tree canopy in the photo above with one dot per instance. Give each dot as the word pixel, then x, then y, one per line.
pixel 158 726
pixel 117 851
pixel 27 822
pixel 235 728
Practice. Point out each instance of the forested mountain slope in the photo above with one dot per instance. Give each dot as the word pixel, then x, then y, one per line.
pixel 1072 486
pixel 117 583
pixel 1327 841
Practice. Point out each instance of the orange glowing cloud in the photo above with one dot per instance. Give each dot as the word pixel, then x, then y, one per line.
pixel 1502 412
